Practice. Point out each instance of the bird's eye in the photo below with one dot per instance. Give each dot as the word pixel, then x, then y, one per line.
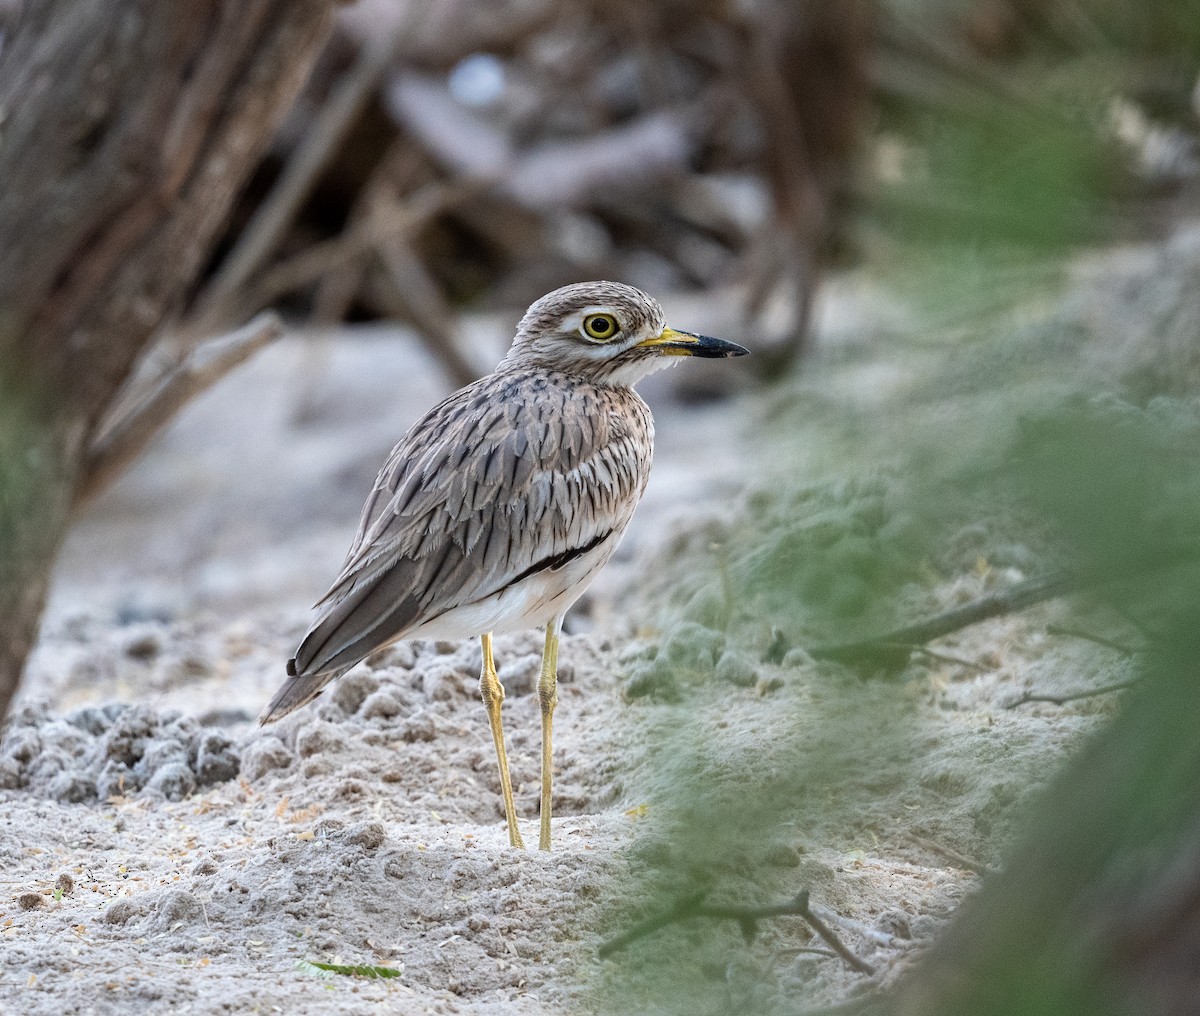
pixel 600 326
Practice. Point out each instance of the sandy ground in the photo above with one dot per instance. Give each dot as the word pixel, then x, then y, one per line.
pixel 165 855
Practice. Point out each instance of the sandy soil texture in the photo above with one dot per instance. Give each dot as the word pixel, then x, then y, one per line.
pixel 162 854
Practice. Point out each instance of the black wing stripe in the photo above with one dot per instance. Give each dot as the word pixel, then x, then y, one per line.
pixel 556 561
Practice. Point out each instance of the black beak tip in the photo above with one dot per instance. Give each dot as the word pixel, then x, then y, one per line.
pixel 718 348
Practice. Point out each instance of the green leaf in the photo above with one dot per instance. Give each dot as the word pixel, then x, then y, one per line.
pixel 327 970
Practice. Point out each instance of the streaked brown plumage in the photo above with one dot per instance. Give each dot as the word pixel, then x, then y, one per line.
pixel 497 508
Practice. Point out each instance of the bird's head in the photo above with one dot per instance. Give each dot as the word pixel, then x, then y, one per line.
pixel 606 332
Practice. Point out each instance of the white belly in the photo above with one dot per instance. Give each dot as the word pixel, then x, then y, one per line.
pixel 529 603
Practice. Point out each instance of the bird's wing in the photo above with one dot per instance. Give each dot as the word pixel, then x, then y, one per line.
pixel 507 476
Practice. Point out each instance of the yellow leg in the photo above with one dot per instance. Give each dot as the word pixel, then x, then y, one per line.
pixel 492 692
pixel 548 698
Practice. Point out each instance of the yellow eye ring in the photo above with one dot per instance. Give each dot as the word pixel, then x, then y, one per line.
pixel 600 327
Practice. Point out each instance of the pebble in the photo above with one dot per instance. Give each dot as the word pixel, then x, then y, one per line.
pixel 174 781
pixel 351 691
pixel 318 739
pixel 385 703
pixel 520 676
pixel 736 668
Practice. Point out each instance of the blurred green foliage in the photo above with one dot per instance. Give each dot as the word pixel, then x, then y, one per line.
pixel 1004 452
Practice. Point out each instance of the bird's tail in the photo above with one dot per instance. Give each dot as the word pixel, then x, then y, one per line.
pixel 296 691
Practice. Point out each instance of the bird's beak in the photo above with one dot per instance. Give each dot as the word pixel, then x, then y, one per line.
pixel 673 343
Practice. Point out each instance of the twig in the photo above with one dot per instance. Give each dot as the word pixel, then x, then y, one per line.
pixel 746 917
pixel 1100 640
pixel 960 860
pixel 1070 696
pixel 400 219
pixel 947 658
pixel 129 436
pixel 891 651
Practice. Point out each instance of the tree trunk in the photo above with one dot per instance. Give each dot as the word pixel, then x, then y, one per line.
pixel 126 130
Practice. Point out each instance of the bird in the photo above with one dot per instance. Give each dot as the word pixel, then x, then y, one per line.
pixel 498 507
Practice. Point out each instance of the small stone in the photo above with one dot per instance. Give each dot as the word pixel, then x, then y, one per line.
pixel 441 683
pixel 31 901
pixel 125 740
pixel 176 907
pixel 707 608
pixel 22 744
pixel 216 760
pixel 90 720
pixel 385 703
pixel 66 738
pixel 418 728
pixel 264 754
pixel 319 738
pixel 116 780
pixel 651 679
pixel 174 781
pixel 782 855
pixel 520 676
pixel 368 835
pixel 796 657
pixel 65 884
pixel 351 691
pixel 73 788
pixel 144 645
pixel 314 768
pixel 229 717
pixel 48 765
pixel 10 774
pixel 329 829
pixel 736 668
pixel 636 652
pixel 122 911
pixel 777 648
pixel 159 754
pixel 691 644
pixel 401 656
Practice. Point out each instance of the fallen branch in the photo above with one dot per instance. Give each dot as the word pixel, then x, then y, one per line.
pixel 1070 696
pixel 891 651
pixel 953 856
pixel 1087 636
pixel 746 917
pixel 126 439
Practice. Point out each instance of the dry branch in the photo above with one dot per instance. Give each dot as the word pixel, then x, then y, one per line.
pixel 746 917
pixel 891 651
pixel 1069 696
pixel 262 235
pixel 122 442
